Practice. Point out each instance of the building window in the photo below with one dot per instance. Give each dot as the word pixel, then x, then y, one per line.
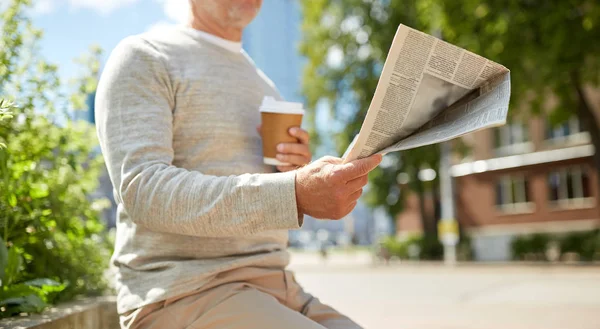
pixel 512 139
pixel 569 187
pixel 512 194
pixel 565 129
pixel 568 132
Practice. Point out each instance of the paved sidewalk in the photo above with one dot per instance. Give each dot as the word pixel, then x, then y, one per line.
pixel 434 296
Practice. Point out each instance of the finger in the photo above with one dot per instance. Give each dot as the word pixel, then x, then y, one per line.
pixel 296 160
pixel 259 130
pixel 360 167
pixel 357 183
pixel 286 168
pixel 356 195
pixel 332 160
pixel 294 148
pixel 302 135
pixel 349 209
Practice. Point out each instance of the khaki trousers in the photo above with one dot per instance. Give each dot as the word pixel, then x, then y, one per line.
pixel 246 298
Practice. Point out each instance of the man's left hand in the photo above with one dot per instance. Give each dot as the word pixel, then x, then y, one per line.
pixel 296 154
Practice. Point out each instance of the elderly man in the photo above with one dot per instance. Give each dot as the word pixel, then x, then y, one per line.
pixel 201 232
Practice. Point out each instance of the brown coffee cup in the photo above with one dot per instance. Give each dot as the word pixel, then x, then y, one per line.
pixel 277 119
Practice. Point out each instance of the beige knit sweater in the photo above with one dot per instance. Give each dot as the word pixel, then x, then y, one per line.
pixel 176 119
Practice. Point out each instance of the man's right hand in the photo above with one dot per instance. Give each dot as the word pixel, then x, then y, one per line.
pixel 327 188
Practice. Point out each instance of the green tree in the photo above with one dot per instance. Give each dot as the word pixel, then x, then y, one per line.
pixel 346 43
pixel 48 170
pixel 6 108
pixel 551 48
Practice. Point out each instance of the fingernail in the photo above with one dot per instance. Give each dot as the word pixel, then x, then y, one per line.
pixel 280 147
pixel 293 130
pixel 279 156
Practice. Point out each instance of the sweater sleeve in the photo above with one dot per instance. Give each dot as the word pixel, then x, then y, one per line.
pixel 134 104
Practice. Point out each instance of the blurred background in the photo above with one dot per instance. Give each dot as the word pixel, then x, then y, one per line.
pixel 519 202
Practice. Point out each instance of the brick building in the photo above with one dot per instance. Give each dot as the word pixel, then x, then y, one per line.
pixel 523 179
pixel 520 179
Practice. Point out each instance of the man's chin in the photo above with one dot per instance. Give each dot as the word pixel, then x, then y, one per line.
pixel 242 16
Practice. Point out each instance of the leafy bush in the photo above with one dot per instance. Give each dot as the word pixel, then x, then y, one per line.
pixel 425 247
pixel 6 108
pixel 534 247
pixel 29 296
pixel 431 248
pixel 464 250
pixel 585 244
pixel 395 248
pixel 530 247
pixel 46 217
pixel 53 244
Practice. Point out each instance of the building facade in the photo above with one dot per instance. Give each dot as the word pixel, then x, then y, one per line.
pixel 520 179
pixel 526 178
pixel 272 41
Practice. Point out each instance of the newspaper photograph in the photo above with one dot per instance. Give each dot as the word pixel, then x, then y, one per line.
pixel 430 91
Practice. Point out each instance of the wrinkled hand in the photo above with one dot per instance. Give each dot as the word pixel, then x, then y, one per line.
pixel 327 188
pixel 296 154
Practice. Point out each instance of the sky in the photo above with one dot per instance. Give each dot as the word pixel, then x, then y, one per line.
pixel 71 26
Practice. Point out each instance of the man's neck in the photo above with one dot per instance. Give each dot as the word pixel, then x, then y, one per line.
pixel 206 25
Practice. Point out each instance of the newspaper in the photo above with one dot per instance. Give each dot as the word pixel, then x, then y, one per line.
pixel 430 91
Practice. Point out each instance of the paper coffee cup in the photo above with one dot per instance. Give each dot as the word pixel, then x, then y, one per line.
pixel 277 119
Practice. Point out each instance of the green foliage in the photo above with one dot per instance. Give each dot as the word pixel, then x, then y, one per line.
pixel 431 248
pixel 543 43
pixel 530 247
pixel 362 31
pixel 585 244
pixel 29 296
pixel 464 249
pixel 550 46
pixel 48 170
pixel 6 113
pixel 424 247
pixel 396 248
pixel 6 108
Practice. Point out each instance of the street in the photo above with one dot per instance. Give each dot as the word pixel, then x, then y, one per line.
pixel 473 296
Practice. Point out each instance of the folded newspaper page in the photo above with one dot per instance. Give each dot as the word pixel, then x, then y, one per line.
pixel 429 92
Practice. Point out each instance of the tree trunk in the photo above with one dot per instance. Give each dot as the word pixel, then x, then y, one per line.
pixel 437 209
pixel 428 225
pixel 587 118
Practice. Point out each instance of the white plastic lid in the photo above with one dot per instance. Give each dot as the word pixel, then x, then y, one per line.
pixel 270 104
